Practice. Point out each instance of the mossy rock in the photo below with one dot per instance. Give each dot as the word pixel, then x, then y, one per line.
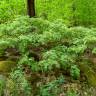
pixel 6 66
pixel 89 73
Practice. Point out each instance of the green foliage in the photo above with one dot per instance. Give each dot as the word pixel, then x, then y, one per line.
pixel 73 12
pixel 60 45
pixel 94 51
pixel 44 47
pixel 30 62
pixel 18 85
pixel 52 9
pixel 9 9
pixel 75 72
pixel 72 93
pixel 2 85
pixel 52 88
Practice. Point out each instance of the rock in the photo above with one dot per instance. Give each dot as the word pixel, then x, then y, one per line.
pixel 89 73
pixel 6 66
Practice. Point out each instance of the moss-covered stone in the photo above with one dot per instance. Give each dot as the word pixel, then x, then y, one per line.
pixel 89 73
pixel 6 66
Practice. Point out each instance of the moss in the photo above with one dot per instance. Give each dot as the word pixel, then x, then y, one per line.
pixel 6 66
pixel 89 73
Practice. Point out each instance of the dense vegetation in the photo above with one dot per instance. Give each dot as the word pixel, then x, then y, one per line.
pixel 73 12
pixel 35 48
pixel 53 54
pixel 9 9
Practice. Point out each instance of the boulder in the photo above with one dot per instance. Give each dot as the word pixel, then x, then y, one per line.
pixel 6 66
pixel 89 73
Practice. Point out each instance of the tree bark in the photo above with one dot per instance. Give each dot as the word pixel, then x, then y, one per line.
pixel 31 7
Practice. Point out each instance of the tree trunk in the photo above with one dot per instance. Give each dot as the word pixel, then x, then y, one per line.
pixel 31 7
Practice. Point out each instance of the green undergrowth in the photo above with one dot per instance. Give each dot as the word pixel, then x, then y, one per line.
pixel 42 47
pixel 9 9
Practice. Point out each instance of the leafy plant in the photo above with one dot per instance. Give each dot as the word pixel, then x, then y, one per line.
pixel 18 85
pixel 72 93
pixel 75 72
pixel 52 88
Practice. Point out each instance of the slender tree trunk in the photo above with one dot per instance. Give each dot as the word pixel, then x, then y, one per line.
pixel 31 7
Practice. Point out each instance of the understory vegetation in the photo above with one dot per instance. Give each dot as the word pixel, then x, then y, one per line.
pixel 72 12
pixel 47 47
pixel 9 9
pixel 43 58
